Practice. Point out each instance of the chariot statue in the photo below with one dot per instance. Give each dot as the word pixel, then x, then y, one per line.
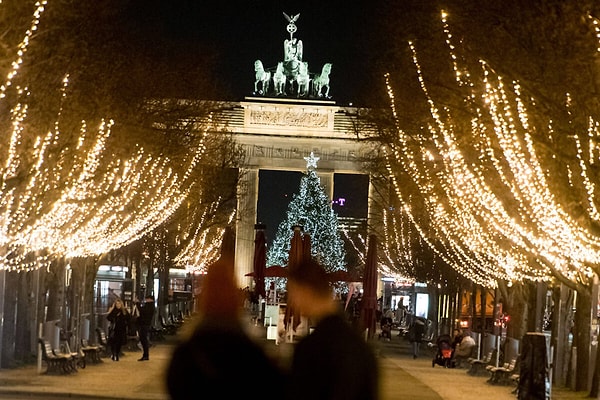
pixel 291 77
pixel 279 80
pixel 303 79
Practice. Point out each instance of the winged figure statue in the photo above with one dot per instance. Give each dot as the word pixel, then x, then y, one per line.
pixel 291 28
pixel 292 19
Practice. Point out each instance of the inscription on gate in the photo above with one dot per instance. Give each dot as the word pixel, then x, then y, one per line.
pixel 288 118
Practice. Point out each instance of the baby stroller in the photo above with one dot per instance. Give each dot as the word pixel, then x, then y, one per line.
pixel 443 355
pixel 386 328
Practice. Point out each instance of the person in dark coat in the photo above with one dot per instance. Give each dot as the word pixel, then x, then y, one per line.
pixel 416 332
pixel 144 323
pixel 117 335
pixel 219 356
pixel 334 361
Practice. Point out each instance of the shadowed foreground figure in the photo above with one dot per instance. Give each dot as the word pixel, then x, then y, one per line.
pixel 334 361
pixel 219 357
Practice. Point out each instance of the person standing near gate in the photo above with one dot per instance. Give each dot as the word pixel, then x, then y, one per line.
pixel 146 312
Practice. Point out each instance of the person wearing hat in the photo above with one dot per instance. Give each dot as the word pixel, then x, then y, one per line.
pixel 334 361
pixel 146 315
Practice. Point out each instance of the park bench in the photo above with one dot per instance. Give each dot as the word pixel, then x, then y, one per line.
pixel 157 334
pixel 56 363
pixel 170 329
pixel 103 342
pixel 132 342
pixel 184 316
pixel 502 375
pixel 478 366
pixel 77 357
pixel 175 320
pixel 91 352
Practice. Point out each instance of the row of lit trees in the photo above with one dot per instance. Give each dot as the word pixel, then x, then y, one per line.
pixel 91 200
pixel 492 147
pixel 77 183
pixel 491 151
pixel 92 170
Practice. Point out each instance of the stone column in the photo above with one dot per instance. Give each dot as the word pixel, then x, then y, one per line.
pixel 374 211
pixel 374 219
pixel 326 179
pixel 244 234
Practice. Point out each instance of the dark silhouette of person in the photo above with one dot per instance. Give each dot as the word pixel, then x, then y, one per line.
pixel 416 332
pixel 334 361
pixel 219 356
pixel 144 323
pixel 119 319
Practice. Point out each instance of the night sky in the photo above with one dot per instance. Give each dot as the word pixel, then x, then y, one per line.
pixel 241 32
pixel 244 31
pixel 276 189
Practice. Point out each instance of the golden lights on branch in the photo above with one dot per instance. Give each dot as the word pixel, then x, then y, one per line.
pixel 596 26
pixel 23 46
pixel 386 259
pixel 493 215
pixel 203 244
pixel 98 205
pixel 60 198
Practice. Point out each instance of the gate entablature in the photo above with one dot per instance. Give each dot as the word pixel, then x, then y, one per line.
pixel 290 116
pixel 276 134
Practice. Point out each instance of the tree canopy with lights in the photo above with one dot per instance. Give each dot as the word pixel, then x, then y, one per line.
pixel 492 148
pixel 90 163
pixel 495 184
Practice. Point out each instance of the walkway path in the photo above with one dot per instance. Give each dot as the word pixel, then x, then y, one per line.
pixel 402 378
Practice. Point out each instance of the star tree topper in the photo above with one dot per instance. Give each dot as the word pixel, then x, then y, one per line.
pixel 311 161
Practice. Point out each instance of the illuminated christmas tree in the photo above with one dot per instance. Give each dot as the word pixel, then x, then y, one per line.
pixel 311 209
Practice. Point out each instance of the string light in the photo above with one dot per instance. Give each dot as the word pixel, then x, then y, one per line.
pixel 495 217
pixel 204 243
pixel 64 199
pixel 22 47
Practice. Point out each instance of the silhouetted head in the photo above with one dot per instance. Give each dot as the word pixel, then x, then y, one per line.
pixel 309 290
pixel 312 275
pixel 220 295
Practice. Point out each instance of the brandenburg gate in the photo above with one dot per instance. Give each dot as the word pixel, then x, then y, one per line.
pixel 277 134
pixel 289 115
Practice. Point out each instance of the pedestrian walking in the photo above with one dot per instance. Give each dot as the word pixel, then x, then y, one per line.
pixel 117 331
pixel 146 316
pixel 415 334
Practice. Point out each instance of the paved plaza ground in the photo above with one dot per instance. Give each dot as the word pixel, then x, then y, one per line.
pixel 402 377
